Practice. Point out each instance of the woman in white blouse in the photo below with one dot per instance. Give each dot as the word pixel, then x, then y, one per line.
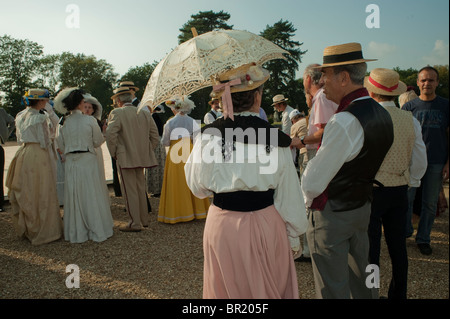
pixel 177 203
pixel 87 214
pixel 31 178
pixel 252 230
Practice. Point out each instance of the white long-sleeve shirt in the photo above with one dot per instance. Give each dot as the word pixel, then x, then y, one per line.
pixel 248 168
pixel 343 139
pixel 80 132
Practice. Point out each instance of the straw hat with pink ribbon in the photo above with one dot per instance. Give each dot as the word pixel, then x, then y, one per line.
pixel 384 82
pixel 244 78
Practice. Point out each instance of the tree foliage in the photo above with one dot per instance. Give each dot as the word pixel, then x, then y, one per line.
pixel 140 76
pixel 95 76
pixel 282 72
pixel 19 60
pixel 204 21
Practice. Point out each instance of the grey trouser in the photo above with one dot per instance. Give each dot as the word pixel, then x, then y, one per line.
pixel 339 246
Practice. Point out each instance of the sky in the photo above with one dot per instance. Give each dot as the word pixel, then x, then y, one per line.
pixel 400 33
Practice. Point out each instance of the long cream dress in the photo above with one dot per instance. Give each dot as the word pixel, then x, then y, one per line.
pixel 87 213
pixel 31 181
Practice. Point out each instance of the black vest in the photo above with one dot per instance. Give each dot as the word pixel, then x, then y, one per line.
pixel 352 186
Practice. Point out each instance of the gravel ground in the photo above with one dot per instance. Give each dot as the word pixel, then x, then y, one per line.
pixel 165 262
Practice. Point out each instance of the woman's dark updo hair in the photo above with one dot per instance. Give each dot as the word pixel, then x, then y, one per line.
pixel 243 101
pixel 33 102
pixel 73 99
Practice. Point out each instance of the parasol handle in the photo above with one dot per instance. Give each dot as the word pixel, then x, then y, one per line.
pixel 194 31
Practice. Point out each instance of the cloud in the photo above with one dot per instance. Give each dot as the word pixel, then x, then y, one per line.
pixel 439 54
pixel 380 50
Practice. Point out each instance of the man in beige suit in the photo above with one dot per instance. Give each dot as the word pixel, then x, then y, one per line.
pixel 131 137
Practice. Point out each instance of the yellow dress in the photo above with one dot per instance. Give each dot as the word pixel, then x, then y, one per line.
pixel 177 203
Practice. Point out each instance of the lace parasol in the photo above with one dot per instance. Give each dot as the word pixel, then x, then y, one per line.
pixel 193 64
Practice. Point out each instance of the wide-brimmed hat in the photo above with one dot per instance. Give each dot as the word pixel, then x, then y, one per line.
pixel 37 94
pixel 119 91
pixel 384 82
pixel 212 100
pixel 251 76
pixel 98 110
pixel 58 103
pixel 244 78
pixel 279 98
pixel 128 84
pixel 343 54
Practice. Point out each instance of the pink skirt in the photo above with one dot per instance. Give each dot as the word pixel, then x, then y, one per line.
pixel 247 256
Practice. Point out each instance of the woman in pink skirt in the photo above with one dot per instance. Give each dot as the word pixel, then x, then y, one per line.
pixel 253 226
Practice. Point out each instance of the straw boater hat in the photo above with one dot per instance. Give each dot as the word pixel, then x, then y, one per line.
pixel 58 103
pixel 119 91
pixel 384 82
pixel 278 99
pixel 212 100
pixel 343 54
pixel 98 110
pixel 128 84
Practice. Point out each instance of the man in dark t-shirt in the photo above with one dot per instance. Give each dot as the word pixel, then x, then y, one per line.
pixel 432 111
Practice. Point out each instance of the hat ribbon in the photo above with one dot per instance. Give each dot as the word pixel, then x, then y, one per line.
pixel 380 86
pixel 226 98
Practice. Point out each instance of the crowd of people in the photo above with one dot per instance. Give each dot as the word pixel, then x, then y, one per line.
pixel 344 171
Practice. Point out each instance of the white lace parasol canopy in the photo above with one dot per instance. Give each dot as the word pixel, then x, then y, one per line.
pixel 190 66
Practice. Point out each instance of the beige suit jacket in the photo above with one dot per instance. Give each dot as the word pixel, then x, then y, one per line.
pixel 131 137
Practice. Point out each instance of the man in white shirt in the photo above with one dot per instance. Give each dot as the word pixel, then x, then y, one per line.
pixel 214 113
pixel 403 166
pixel 337 183
pixel 280 104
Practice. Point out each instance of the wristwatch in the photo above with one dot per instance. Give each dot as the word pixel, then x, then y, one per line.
pixel 301 139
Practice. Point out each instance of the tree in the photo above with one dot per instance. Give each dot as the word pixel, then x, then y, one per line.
pixel 140 76
pixel 443 88
pixel 18 63
pixel 408 76
pixel 203 22
pixel 96 77
pixel 48 72
pixel 282 72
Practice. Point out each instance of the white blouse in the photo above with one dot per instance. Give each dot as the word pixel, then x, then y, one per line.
pixel 32 127
pixel 179 126
pixel 248 167
pixel 80 132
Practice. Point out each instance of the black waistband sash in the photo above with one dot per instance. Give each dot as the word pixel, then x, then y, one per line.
pixel 244 201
